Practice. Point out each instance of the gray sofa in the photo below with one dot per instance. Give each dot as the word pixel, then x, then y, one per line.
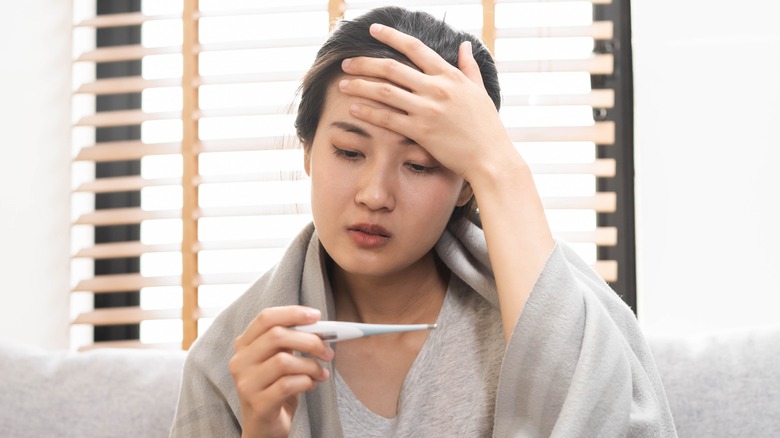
pixel 724 385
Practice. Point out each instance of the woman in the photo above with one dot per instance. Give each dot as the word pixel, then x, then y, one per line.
pixel 401 135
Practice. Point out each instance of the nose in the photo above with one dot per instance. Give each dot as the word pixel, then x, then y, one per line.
pixel 377 188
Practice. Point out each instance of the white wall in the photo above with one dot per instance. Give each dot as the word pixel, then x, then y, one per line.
pixel 34 171
pixel 708 163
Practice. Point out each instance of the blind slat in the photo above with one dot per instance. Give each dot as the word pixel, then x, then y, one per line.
pixel 599 30
pixel 279 175
pixel 125 53
pixel 107 119
pixel 248 78
pixel 255 210
pixel 597 64
pixel 607 269
pixel 602 202
pixel 131 84
pixel 124 249
pixel 126 19
pixel 602 236
pixel 596 98
pixel 270 242
pixel 124 315
pixel 125 216
pixel 604 167
pixel 244 144
pixel 125 150
pixel 280 8
pixel 271 43
pixel 264 110
pixel 124 184
pixel 124 282
pixel 599 133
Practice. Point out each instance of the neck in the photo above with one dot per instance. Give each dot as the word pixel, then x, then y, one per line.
pixel 413 296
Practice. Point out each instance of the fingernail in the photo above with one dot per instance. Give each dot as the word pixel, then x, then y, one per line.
pixel 325 375
pixel 354 108
pixel 343 84
pixel 345 63
pixel 468 43
pixel 313 313
pixel 376 28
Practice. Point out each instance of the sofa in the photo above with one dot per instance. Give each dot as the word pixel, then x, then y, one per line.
pixel 718 385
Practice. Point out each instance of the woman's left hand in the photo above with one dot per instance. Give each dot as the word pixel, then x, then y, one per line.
pixel 444 109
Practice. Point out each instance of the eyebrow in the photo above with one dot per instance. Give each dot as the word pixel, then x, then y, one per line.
pixel 355 129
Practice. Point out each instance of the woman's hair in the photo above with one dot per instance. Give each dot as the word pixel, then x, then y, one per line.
pixel 352 39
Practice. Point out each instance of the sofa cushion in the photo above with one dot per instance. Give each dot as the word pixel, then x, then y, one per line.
pixel 102 393
pixel 722 385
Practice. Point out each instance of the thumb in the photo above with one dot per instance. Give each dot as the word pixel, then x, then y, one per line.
pixel 467 64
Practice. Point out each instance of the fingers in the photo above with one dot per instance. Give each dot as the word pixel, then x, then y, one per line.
pixel 391 97
pixel 421 55
pixel 385 68
pixel 277 316
pixel 385 118
pixel 266 376
pixel 467 64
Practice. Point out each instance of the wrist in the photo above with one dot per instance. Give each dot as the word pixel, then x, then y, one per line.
pixel 504 170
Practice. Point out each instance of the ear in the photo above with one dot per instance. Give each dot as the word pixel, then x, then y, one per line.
pixel 307 159
pixel 465 194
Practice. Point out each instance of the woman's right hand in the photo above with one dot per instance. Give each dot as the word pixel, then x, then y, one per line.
pixel 268 376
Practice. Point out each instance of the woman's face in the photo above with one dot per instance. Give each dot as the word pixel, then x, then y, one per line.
pixel 380 202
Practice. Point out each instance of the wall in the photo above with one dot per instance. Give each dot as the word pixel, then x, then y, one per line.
pixel 708 148
pixel 34 171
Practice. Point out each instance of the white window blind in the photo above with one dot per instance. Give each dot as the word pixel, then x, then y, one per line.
pixel 222 185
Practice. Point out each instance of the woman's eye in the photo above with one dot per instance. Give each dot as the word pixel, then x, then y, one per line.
pixel 343 153
pixel 419 168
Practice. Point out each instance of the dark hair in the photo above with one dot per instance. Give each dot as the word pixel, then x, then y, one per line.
pixel 352 39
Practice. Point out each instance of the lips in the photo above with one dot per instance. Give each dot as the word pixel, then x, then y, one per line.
pixel 370 229
pixel 369 236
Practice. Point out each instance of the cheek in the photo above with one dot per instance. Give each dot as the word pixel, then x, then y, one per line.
pixel 435 200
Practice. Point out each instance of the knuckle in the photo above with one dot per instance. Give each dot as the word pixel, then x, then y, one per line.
pixel 414 44
pixel 454 75
pixel 391 66
pixel 289 386
pixel 276 334
pixel 386 118
pixel 264 315
pixel 385 90
pixel 443 93
pixel 242 387
pixel 285 361
pixel 233 366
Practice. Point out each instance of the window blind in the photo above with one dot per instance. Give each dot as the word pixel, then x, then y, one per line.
pixel 222 185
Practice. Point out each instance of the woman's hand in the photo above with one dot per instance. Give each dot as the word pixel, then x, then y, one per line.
pixel 446 110
pixel 268 375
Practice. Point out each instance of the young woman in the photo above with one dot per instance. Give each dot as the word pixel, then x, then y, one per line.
pixel 401 135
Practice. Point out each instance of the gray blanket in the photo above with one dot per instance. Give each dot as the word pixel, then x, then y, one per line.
pixel 576 365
